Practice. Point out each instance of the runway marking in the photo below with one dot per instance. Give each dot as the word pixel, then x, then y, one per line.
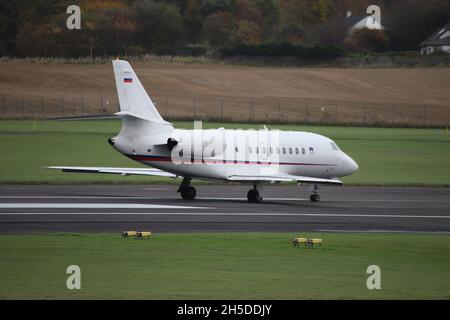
pixel 334 200
pixel 387 200
pixel 337 215
pixel 83 197
pixel 92 206
pixel 137 197
pixel 245 199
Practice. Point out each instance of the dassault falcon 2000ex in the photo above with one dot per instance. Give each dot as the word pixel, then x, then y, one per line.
pixel 254 157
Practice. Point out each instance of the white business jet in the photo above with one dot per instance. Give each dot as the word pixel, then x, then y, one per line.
pixel 254 157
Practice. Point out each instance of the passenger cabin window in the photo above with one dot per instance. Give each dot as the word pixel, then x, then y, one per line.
pixel 303 151
pixel 270 150
pixel 284 150
pixel 296 151
pixel 311 150
pixel 237 149
pixel 257 149
pixel 290 150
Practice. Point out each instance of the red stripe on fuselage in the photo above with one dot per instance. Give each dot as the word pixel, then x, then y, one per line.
pixel 208 161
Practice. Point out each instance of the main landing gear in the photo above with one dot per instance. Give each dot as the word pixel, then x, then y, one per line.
pixel 315 197
pixel 253 195
pixel 187 191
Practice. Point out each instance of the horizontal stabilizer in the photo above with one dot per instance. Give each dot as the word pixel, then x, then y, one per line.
pixel 123 114
pixel 87 117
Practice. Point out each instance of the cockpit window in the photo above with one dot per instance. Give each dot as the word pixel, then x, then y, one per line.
pixel 334 146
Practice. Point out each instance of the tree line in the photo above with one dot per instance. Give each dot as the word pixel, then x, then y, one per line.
pixel 260 27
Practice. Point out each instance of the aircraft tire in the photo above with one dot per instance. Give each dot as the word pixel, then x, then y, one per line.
pixel 188 193
pixel 253 196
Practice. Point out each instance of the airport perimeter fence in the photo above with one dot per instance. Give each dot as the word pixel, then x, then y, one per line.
pixel 241 110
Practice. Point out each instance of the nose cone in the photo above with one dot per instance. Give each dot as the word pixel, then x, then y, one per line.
pixel 353 166
pixel 349 166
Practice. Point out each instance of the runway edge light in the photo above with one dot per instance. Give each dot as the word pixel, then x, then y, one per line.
pixel 308 243
pixel 128 234
pixel 144 234
pixel 298 241
pixel 136 234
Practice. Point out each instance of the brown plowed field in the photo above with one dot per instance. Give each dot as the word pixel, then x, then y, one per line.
pixel 411 96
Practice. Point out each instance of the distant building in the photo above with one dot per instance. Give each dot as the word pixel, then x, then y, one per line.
pixel 439 41
pixel 361 22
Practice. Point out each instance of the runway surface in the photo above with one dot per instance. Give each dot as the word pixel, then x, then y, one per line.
pixel 221 208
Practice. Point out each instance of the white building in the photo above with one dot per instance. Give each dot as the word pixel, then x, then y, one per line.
pixel 439 41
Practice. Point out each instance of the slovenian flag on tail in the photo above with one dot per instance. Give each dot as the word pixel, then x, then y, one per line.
pixel 128 80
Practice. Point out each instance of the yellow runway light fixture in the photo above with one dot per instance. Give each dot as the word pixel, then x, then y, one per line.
pixel 306 242
pixel 311 242
pixel 128 234
pixel 298 241
pixel 144 234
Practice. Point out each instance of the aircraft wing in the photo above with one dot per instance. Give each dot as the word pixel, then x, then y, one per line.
pixel 121 171
pixel 282 177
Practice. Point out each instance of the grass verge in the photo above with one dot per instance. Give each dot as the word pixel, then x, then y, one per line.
pixel 225 266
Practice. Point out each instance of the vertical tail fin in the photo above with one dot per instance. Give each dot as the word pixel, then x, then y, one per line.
pixel 133 98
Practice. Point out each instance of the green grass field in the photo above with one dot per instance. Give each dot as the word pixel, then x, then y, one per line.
pixel 419 157
pixel 225 266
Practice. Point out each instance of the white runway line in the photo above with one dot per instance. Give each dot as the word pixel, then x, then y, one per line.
pixel 82 197
pixel 337 215
pixel 387 200
pixel 138 197
pixel 245 199
pixel 334 200
pixel 92 206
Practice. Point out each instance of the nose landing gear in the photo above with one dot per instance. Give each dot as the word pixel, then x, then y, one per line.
pixel 315 197
pixel 253 195
pixel 186 190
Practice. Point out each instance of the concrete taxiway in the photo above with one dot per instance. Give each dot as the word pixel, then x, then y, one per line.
pixel 221 208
